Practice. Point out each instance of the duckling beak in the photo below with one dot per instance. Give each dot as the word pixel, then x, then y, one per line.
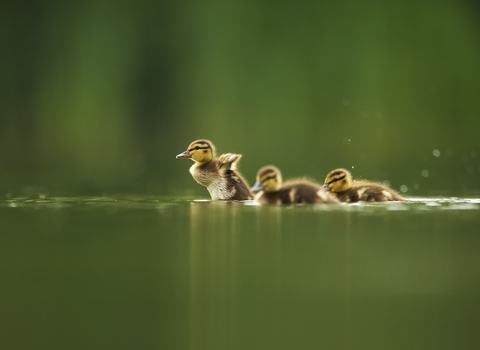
pixel 326 188
pixel 185 154
pixel 257 187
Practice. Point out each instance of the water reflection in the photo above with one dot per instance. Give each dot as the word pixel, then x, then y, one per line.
pixel 182 274
pixel 253 272
pixel 267 275
pixel 213 236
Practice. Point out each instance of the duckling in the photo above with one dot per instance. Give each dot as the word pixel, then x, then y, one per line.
pixel 339 182
pixel 219 175
pixel 271 191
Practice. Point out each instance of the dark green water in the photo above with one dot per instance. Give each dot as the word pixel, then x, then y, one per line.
pixel 158 273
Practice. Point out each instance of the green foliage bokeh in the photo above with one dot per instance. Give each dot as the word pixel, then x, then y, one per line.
pixel 99 96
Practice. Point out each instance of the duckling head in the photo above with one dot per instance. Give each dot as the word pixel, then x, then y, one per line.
pixel 269 179
pixel 200 151
pixel 338 180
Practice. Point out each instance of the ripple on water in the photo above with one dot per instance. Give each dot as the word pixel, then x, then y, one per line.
pixel 414 203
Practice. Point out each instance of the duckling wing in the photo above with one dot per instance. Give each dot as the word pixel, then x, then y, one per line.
pixel 228 161
pixel 233 180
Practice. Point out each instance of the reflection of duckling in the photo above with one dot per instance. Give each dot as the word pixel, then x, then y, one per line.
pixel 270 189
pixel 219 175
pixel 339 181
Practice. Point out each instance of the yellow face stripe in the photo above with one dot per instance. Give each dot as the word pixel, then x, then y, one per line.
pixel 201 151
pixel 197 147
pixel 268 176
pixel 336 177
pixel 338 180
pixel 200 144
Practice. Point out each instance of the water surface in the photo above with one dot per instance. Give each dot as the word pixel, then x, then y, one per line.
pixel 169 273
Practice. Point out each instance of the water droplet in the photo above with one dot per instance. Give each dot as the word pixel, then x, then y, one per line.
pixel 346 141
pixel 436 153
pixel 425 173
pixel 353 166
pixel 404 188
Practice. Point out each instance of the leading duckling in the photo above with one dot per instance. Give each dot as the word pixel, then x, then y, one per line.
pixel 219 175
pixel 339 182
pixel 271 191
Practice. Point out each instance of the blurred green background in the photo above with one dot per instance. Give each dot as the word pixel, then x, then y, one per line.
pixel 99 96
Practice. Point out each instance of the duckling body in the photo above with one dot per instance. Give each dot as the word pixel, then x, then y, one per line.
pixel 271 191
pixel 340 183
pixel 297 192
pixel 218 175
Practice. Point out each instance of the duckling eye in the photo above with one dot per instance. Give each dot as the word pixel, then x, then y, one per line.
pixel 197 148
pixel 271 177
